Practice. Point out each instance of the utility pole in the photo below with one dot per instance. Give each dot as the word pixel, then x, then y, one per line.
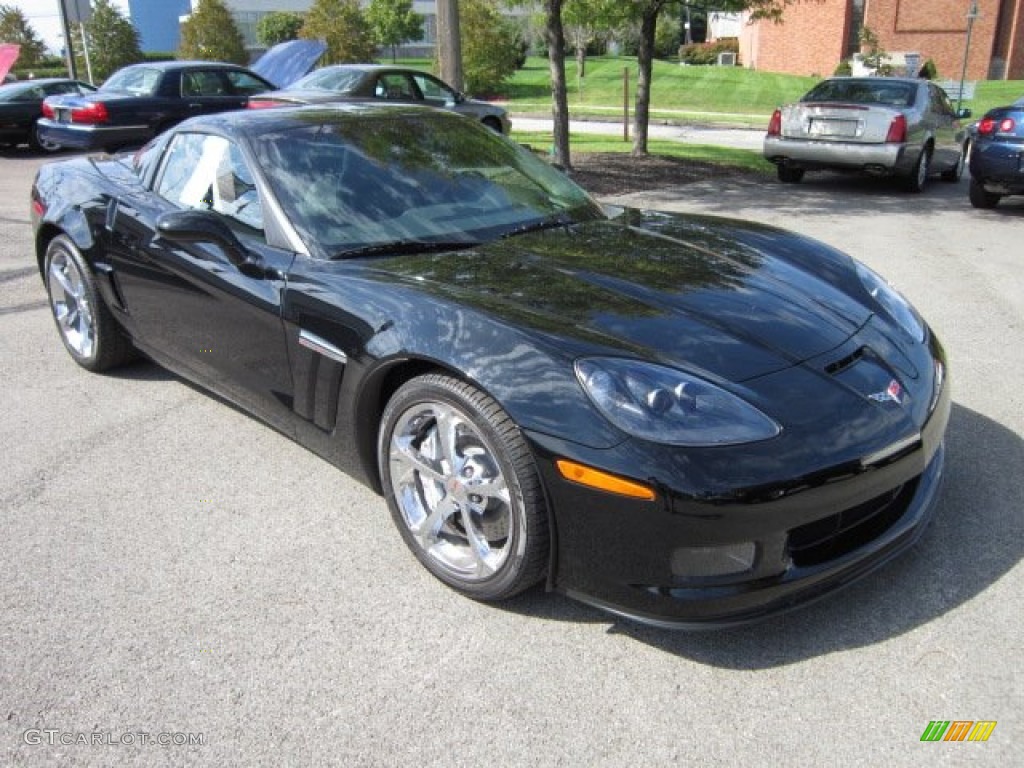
pixel 69 50
pixel 449 43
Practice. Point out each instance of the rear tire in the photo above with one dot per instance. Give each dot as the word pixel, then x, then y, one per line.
pixel 90 333
pixel 918 177
pixel 789 175
pixel 980 198
pixel 40 144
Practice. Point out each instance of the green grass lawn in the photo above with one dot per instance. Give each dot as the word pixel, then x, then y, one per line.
pixel 728 95
pixel 588 142
pixel 694 94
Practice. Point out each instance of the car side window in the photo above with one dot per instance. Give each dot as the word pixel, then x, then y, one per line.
pixel 203 83
pixel 434 90
pixel 394 86
pixel 244 83
pixel 210 173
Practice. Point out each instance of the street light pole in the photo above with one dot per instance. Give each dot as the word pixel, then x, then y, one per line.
pixel 972 14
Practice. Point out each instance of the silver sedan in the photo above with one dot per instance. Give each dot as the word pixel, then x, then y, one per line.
pixel 886 126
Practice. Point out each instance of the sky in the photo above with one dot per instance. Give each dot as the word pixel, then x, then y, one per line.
pixel 44 16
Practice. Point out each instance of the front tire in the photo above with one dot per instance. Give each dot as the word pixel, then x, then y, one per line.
pixel 953 174
pixel 462 487
pixel 980 198
pixel 90 333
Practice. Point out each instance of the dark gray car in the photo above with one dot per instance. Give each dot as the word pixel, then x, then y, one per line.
pixel 378 82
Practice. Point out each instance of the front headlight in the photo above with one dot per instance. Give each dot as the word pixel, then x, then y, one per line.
pixel 668 406
pixel 892 301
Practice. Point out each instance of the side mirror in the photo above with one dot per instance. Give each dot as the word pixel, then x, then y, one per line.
pixel 963 113
pixel 193 226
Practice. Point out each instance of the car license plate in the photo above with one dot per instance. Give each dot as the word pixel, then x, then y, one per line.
pixel 842 128
pixel 63 115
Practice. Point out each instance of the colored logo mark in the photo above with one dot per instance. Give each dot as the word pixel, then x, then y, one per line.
pixel 958 730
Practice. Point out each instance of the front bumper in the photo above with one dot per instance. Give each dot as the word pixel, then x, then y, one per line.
pixel 837 155
pixel 92 137
pixel 792 539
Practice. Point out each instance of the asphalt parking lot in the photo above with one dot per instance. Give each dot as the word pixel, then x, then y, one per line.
pixel 170 566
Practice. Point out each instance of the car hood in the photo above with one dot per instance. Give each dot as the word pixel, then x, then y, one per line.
pixel 728 298
pixel 286 62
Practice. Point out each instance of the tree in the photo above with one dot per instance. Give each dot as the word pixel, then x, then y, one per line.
pixel 647 12
pixel 554 37
pixel 278 27
pixel 394 22
pixel 112 40
pixel 211 33
pixel 342 25
pixel 14 28
pixel 489 45
pixel 585 21
pixel 875 56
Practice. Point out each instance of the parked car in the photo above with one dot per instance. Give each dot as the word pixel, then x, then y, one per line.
pixel 683 419
pixel 997 159
pixel 372 82
pixel 139 101
pixel 21 106
pixel 886 126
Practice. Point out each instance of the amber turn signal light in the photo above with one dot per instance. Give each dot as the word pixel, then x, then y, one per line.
pixel 595 478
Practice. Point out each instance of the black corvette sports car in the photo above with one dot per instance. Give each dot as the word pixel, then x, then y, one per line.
pixel 684 420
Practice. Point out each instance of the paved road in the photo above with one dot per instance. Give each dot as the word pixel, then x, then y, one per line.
pixel 167 564
pixel 737 138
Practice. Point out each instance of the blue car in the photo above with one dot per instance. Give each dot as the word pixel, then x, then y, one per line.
pixel 997 159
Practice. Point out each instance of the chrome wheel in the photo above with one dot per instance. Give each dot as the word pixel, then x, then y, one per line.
pixel 42 144
pixel 451 491
pixel 70 302
pixel 462 487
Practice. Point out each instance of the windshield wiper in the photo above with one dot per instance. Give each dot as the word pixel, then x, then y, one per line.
pixel 554 221
pixel 405 246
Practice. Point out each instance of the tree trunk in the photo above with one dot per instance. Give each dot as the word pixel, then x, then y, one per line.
pixel 449 43
pixel 645 64
pixel 554 35
pixel 581 57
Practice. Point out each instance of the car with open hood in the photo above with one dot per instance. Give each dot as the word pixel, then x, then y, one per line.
pixel 688 420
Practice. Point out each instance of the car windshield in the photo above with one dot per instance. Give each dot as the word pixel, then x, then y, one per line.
pixel 141 81
pixel 329 79
pixel 357 185
pixel 866 91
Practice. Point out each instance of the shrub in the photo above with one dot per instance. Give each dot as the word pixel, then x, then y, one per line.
pixel 707 53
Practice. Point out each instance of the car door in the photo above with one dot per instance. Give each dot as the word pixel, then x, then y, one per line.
pixel 947 125
pixel 207 90
pixel 188 305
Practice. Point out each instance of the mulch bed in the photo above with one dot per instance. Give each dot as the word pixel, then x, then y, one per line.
pixel 619 173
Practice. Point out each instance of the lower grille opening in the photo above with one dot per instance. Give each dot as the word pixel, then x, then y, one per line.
pixel 836 535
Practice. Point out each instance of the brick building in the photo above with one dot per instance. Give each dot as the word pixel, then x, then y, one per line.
pixel 816 35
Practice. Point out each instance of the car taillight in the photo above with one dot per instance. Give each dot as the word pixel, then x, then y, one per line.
pixel 91 114
pixel 775 124
pixel 47 110
pixel 262 104
pixel 897 130
pixel 989 126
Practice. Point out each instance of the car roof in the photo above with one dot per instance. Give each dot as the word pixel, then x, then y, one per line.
pixel 259 121
pixel 42 81
pixel 169 66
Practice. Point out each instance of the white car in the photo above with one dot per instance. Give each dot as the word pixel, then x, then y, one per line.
pixel 888 126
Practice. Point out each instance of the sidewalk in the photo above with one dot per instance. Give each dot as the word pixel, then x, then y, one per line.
pixel 735 138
